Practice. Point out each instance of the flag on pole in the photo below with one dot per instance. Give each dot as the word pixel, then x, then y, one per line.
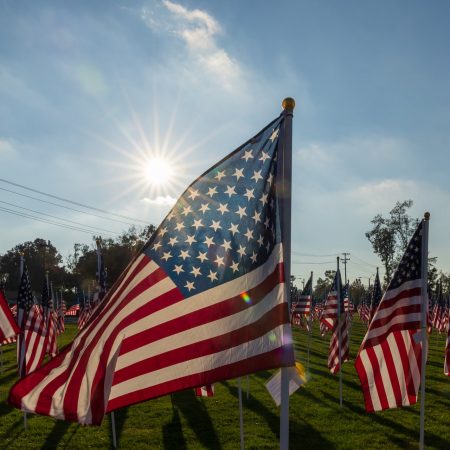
pixel 73 310
pixel 303 305
pixel 32 341
pixel 8 326
pixel 101 271
pixel 61 314
pixel 447 352
pixel 375 298
pixel 205 300
pixel 49 318
pixel 330 311
pixel 389 360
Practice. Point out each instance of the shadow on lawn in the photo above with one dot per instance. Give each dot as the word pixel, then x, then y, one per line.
pixel 299 432
pixel 120 415
pixel 198 418
pixel 54 437
pixel 173 433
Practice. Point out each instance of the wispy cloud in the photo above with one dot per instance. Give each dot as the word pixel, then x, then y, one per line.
pixel 7 148
pixel 199 31
pixel 160 200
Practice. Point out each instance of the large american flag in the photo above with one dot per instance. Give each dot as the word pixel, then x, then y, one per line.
pixel 389 360
pixel 8 326
pixel 205 300
pixel 32 341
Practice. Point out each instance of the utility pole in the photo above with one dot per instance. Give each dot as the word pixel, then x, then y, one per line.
pixel 344 260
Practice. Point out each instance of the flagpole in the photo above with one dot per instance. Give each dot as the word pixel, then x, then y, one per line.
pixel 424 326
pixel 241 413
pixel 21 264
pixel 288 105
pixel 339 332
pixel 113 429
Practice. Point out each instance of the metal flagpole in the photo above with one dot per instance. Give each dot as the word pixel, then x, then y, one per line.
pixel 424 326
pixel 339 331
pixel 310 324
pixel 22 262
pixel 241 413
pixel 286 191
pixel 113 429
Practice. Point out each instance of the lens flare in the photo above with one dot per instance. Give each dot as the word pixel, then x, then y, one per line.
pixel 246 298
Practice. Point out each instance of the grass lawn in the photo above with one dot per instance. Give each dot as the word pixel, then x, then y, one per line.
pixel 184 421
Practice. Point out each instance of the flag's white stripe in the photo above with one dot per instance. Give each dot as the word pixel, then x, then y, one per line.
pixel 384 312
pixel 270 341
pixel 6 326
pixel 385 375
pixel 413 363
pixel 370 380
pixel 199 333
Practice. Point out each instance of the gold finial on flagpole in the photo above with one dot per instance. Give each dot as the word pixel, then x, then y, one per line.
pixel 288 103
pixel 426 216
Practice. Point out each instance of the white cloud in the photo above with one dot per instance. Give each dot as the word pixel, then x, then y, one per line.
pixel 160 200
pixel 7 148
pixel 199 31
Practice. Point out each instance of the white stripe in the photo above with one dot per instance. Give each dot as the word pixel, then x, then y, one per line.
pixel 365 361
pixel 6 326
pixel 384 373
pixel 400 318
pixel 270 341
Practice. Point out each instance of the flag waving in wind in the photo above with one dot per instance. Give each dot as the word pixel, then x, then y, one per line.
pixel 205 300
pixel 8 326
pixel 389 360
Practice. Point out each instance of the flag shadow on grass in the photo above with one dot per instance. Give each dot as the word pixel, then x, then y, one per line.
pixel 54 437
pixel 431 439
pixel 120 416
pixel 173 433
pixel 198 418
pixel 298 431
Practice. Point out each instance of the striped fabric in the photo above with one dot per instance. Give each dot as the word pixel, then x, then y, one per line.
pixel 303 305
pixel 205 301
pixel 8 326
pixel 73 310
pixel 447 352
pixel 389 360
pixel 333 354
pixel 205 391
pixel 330 310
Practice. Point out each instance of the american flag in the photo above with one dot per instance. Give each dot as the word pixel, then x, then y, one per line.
pixel 8 326
pixel 447 351
pixel 303 305
pixel 73 310
pixel 32 341
pixel 101 271
pixel 439 312
pixel 342 328
pixel 375 298
pixel 50 318
pixel 85 312
pixel 205 391
pixel 389 360
pixel 61 312
pixel 205 300
pixel 330 311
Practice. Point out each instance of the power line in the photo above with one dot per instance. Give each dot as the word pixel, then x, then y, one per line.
pixel 73 202
pixel 324 262
pixel 312 255
pixel 364 262
pixel 66 207
pixel 59 218
pixel 29 216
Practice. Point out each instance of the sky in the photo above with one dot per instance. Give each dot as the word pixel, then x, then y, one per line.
pixel 90 92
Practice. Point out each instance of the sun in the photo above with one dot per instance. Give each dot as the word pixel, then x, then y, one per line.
pixel 158 171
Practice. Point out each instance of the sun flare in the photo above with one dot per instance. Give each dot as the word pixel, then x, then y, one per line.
pixel 158 171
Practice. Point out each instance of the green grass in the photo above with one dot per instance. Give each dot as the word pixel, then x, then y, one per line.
pixel 184 421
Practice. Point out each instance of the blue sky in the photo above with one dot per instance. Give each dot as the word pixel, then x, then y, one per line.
pixel 90 90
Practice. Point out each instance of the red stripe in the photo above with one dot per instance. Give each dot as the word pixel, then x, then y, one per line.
pixel 362 374
pixel 376 378
pixel 393 377
pixel 407 380
pixel 392 329
pixel 280 357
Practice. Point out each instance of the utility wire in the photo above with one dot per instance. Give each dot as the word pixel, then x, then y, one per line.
pixel 66 207
pixel 29 216
pixel 59 218
pixel 324 262
pixel 72 202
pixel 364 262
pixel 314 256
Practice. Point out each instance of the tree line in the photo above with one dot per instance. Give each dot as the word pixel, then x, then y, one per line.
pixel 389 237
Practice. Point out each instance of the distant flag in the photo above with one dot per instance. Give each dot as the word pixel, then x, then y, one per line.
pixel 303 305
pixel 375 297
pixel 205 300
pixel 32 342
pixel 439 319
pixel 61 314
pixel 101 271
pixel 50 318
pixel 330 311
pixel 8 326
pixel 447 351
pixel 389 360
pixel 205 391
pixel 73 310
pixel 85 312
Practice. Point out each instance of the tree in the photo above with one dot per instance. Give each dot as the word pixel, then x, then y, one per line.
pixel 37 254
pixel 390 236
pixel 323 285
pixel 357 292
